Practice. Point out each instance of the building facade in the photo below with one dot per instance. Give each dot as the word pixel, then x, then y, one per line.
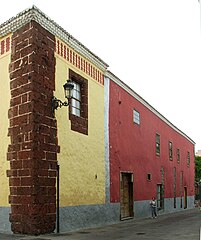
pixel 95 162
pixel 149 156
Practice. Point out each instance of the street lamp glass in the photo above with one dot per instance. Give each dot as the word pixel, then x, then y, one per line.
pixel 68 87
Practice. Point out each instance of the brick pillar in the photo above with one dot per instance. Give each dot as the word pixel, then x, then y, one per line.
pixel 33 133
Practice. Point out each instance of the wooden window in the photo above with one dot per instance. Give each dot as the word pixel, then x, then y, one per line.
pixel 188 159
pixel 76 100
pixel 78 113
pixel 170 151
pixel 158 144
pixel 136 117
pixel 178 155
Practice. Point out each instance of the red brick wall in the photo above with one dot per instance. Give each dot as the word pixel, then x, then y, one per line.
pixel 33 133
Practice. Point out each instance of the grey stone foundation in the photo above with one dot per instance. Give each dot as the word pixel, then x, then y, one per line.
pixel 142 208
pixel 5 226
pixel 80 217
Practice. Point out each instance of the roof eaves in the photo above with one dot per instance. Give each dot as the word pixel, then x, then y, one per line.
pixel 111 76
pixel 37 15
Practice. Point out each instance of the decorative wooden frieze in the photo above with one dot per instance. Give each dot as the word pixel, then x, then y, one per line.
pixel 74 58
pixel 5 45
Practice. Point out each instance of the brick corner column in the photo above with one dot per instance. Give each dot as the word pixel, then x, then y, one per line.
pixel 33 131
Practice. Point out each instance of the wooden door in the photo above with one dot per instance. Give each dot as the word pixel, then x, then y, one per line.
pixel 185 197
pixel 126 196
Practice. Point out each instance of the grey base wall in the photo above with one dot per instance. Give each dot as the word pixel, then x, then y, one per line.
pixel 142 208
pixel 73 218
pixel 80 217
pixel 5 226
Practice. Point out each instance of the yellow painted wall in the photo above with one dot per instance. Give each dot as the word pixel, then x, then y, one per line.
pixel 81 157
pixel 4 142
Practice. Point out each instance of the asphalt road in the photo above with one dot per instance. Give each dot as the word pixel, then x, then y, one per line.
pixel 175 226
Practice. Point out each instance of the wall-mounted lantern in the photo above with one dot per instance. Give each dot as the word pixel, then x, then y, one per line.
pixel 68 87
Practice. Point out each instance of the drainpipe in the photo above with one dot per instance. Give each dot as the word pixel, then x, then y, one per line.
pixel 200 12
pixel 58 168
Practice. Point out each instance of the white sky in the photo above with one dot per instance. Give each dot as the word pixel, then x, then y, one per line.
pixel 154 46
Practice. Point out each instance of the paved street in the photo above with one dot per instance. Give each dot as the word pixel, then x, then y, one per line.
pixel 176 226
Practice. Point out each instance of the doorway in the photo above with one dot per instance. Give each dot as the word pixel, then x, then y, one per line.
pixel 126 195
pixel 160 198
pixel 185 197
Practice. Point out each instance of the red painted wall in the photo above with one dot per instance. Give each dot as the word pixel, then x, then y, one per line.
pixel 133 149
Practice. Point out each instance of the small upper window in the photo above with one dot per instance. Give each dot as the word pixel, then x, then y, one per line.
pixel 178 155
pixel 158 144
pixel 188 159
pixel 148 176
pixel 170 151
pixel 136 117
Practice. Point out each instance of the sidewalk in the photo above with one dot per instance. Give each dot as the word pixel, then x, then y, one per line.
pixel 175 226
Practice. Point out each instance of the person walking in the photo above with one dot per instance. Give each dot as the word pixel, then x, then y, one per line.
pixel 153 207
